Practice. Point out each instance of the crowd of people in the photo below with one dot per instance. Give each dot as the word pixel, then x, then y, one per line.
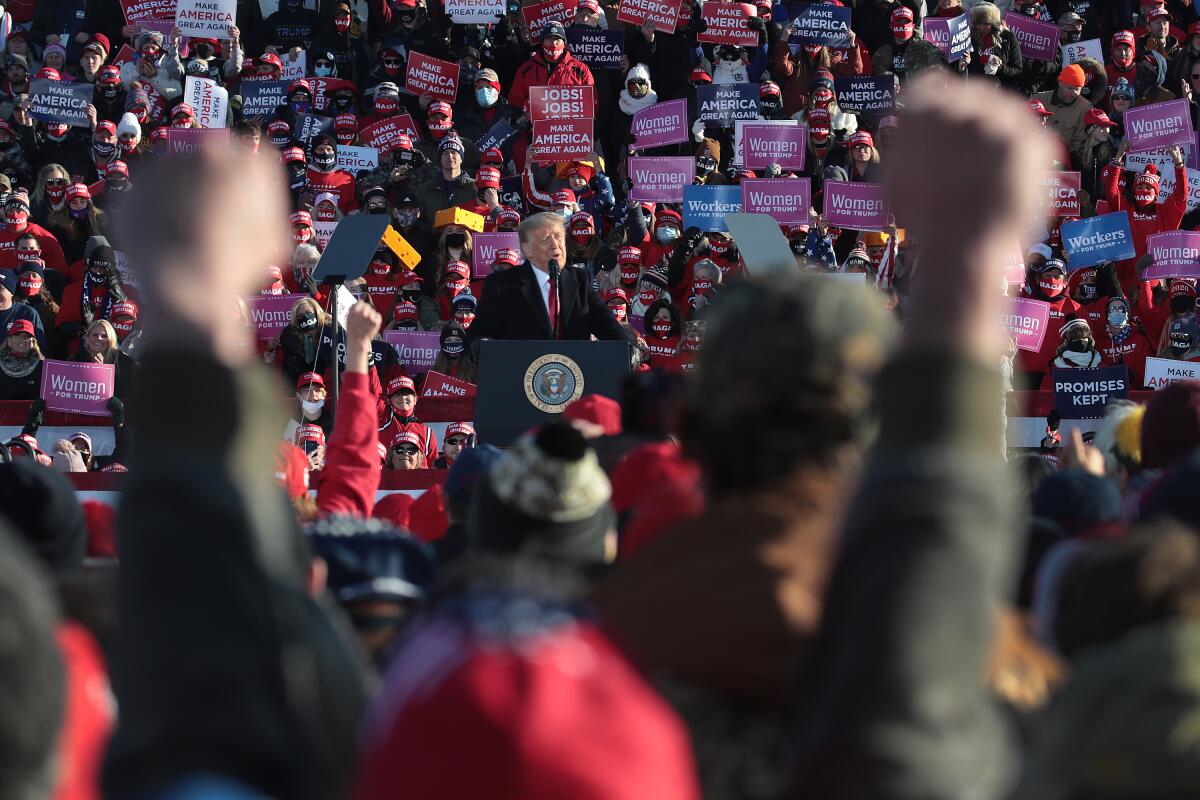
pixel 874 599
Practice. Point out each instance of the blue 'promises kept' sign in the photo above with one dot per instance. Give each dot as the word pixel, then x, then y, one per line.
pixel 1083 393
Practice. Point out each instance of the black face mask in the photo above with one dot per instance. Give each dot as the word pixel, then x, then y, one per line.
pixel 797 246
pixel 705 165
pixel 456 240
pixel 1078 345
pixel 109 92
pixel 325 161
pixel 411 295
pixel 453 346
pixel 298 175
pixel 769 106
pixel 204 51
pixel 306 322
pixel 1182 304
pixel 377 208
pixel 1180 343
pixel 343 103
pixel 1074 36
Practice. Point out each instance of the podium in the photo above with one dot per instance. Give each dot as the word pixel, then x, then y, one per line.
pixel 523 384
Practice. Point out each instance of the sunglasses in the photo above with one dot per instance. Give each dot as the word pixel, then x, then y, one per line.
pixel 407 450
pixel 457 441
pixel 63 181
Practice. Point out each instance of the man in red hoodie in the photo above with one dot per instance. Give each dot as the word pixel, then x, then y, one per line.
pixel 551 65
pixel 1146 215
pixel 1124 49
pixel 1047 282
pixel 17 224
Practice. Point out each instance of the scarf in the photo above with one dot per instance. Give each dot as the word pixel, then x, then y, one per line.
pixel 1119 336
pixel 85 299
pixel 1070 358
pixel 16 366
pixel 631 105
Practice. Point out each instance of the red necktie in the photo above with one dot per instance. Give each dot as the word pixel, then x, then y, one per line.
pixel 553 308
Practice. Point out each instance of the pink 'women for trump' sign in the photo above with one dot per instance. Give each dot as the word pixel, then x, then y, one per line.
pixel 787 200
pixel 1159 125
pixel 764 145
pixel 857 206
pixel 77 387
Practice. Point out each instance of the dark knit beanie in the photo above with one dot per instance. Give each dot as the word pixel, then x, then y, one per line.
pixel 1171 427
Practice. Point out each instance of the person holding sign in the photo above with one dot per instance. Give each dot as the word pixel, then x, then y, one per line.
pixel 20 362
pixel 1140 201
pixel 907 55
pixel 551 65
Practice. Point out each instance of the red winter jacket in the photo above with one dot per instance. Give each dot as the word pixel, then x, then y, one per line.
pixel 1132 353
pixel 1159 218
pixel 567 71
pixel 351 474
pixel 1028 361
pixel 390 425
pixel 52 252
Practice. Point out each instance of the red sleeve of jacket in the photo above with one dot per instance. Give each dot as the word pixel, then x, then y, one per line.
pixel 1170 213
pixel 352 465
pixel 380 10
pixel 518 95
pixel 1110 179
pixel 71 310
pixel 52 251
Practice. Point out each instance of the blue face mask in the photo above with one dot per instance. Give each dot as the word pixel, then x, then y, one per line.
pixel 666 234
pixel 300 106
pixel 322 71
pixel 487 96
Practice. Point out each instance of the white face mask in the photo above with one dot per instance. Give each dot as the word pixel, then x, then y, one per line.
pixel 311 408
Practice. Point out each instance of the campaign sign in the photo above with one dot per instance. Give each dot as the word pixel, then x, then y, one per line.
pixel 356 159
pixel 260 98
pixel 728 23
pixel 787 200
pixel 1162 372
pixel 537 15
pixel 58 101
pixel 324 88
pixel 1166 187
pixel 309 125
pixel 417 350
pixel 660 124
pixel 497 135
pixel 763 145
pixel 857 206
pixel 210 101
pixel 1083 393
pixel 820 23
pixel 599 48
pixel 561 139
pixel 662 14
pixel 484 247
pixel 295 69
pixel 1176 255
pixel 865 94
pixel 705 207
pixel 1159 125
pixel 181 141
pixel 661 179
pixel 1038 40
pixel 721 104
pixel 271 313
pixel 474 12
pixel 561 102
pixel 1026 321
pixel 211 18
pixel 382 135
pixel 136 11
pixel 512 193
pixel 429 75
pixel 439 385
pixel 951 35
pixel 123 56
pixel 1095 239
pixel 1013 261
pixel 1063 189
pixel 76 387
pixel 1073 52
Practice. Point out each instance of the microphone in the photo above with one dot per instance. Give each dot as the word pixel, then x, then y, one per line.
pixel 552 268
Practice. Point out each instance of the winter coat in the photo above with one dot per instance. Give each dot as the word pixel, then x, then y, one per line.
pixel 919 55
pixel 429 189
pixel 25 386
pixel 352 468
pixel 1067 121
pixel 1007 48
pixel 1160 217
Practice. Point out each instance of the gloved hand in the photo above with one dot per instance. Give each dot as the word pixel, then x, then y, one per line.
pixel 37 415
pixel 113 280
pixel 690 239
pixel 698 130
pixel 773 170
pixel 117 409
pixel 757 24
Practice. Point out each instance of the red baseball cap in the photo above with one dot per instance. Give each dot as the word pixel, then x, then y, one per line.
pixel 564 197
pixel 507 255
pixel 459 429
pixel 309 378
pixel 310 433
pixel 406 437
pixel 301 219
pixel 21 326
pixel 401 383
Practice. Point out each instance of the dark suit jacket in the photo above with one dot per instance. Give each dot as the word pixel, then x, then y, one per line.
pixel 512 308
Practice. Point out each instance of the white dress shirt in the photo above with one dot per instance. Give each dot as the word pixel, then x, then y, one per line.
pixel 543 279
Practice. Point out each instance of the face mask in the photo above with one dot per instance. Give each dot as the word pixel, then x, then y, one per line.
pixel 1145 197
pixel 902 32
pixel 629 275
pixel 705 165
pixel 300 106
pixel 464 318
pixel 406 219
pixel 1052 286
pixel 456 240
pixel 662 329
pixel 312 408
pixel 298 173
pixel 342 24
pixel 16 219
pixel 1078 345
pixel 718 247
pixel 324 161
pixel 487 96
pixel 411 295
pixel 455 287
pixel 618 311
pixel 554 48
pixel 819 134
pixel 647 296
pixel 769 106
pixel 123 329
pixel 1180 343
pixel 386 105
pixel 322 70
pixel 1074 36
pixel 691 345
pixel 812 50
pixel 301 235
pixel 80 213
pixel 57 132
pixel 306 322
pixel 581 239
pixel 380 267
pixel 453 346
pixel 702 285
pixel 109 92
pixel 55 194
pixel 666 234
pixel 103 149
pixel 24 254
pixel 1117 319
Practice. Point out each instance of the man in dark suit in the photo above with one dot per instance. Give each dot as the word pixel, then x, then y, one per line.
pixel 522 302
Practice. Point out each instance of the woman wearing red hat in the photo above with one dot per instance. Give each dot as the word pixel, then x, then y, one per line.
pixel 1099 148
pixel 20 363
pixel 76 222
pixel 397 414
pixel 664 329
pixel 405 452
pixel 455 278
